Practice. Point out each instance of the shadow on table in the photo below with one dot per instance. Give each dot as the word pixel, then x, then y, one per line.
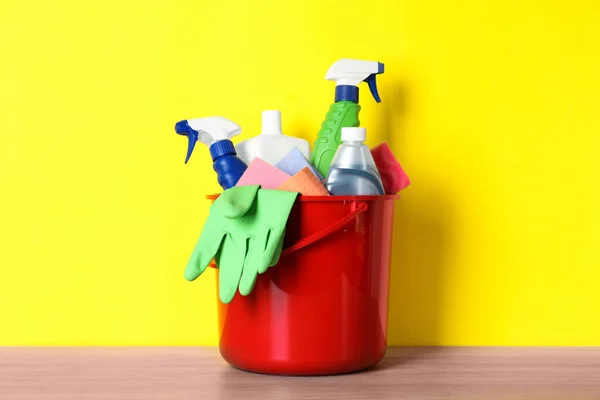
pixel 399 356
pixel 231 382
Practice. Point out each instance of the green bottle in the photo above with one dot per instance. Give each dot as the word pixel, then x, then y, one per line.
pixel 347 74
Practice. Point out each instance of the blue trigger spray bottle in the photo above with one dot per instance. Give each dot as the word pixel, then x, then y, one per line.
pixel 215 132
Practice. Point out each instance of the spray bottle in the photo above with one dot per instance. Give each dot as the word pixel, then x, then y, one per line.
pixel 347 74
pixel 215 132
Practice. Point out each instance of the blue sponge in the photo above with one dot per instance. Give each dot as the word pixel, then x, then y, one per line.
pixel 294 162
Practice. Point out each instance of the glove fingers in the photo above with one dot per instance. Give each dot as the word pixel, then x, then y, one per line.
pixel 248 280
pixel 263 252
pixel 277 253
pixel 273 243
pixel 251 263
pixel 230 260
pixel 203 253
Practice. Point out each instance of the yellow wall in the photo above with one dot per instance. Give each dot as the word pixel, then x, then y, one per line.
pixel 492 107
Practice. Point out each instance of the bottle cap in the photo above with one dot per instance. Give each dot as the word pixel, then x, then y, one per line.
pixel 346 93
pixel 221 148
pixel 354 134
pixel 271 122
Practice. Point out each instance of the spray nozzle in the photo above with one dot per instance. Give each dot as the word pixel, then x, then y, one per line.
pixel 206 130
pixel 348 74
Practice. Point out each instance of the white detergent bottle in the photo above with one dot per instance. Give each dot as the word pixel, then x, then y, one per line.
pixel 353 171
pixel 271 145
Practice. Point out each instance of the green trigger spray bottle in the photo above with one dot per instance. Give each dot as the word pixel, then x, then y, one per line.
pixel 347 74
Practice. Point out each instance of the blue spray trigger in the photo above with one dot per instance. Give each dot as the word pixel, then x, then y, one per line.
pixel 183 128
pixel 373 83
pixel 373 87
pixel 192 139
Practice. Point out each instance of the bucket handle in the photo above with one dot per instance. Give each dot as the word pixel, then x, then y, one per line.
pixel 310 239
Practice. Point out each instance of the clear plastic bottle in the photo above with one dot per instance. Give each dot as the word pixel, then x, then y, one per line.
pixel 353 171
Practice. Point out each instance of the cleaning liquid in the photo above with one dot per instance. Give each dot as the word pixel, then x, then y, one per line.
pixel 347 74
pixel 271 145
pixel 353 171
pixel 215 132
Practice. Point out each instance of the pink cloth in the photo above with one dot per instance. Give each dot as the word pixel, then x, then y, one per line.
pixel 306 183
pixel 392 175
pixel 262 173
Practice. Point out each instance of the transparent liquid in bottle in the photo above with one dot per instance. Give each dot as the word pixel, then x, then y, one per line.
pixel 353 172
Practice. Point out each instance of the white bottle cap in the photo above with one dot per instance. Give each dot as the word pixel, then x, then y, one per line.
pixel 271 122
pixel 354 134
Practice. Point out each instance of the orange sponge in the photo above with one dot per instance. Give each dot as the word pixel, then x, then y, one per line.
pixel 306 183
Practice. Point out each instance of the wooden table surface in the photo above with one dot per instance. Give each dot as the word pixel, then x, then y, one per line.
pixel 199 373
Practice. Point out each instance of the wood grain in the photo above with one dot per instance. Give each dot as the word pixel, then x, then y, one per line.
pixel 199 373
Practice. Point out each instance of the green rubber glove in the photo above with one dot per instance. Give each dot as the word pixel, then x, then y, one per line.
pixel 244 233
pixel 218 241
pixel 269 213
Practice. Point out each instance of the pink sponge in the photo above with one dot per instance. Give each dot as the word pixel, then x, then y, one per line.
pixel 262 173
pixel 393 176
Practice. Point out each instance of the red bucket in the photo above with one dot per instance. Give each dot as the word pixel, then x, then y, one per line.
pixel 323 308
